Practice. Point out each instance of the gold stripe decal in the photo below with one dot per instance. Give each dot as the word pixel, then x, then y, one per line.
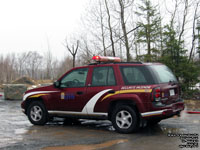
pixel 37 95
pixel 128 91
pixel 30 94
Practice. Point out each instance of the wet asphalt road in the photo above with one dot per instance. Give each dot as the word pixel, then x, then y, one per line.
pixel 17 133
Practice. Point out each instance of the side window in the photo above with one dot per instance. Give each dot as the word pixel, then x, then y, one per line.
pixel 76 78
pixel 103 76
pixel 135 75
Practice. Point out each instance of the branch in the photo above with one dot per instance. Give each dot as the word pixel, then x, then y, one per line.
pixel 184 20
pixel 123 36
pixel 77 45
pixel 193 34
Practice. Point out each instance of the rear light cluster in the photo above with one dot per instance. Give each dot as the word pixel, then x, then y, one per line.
pixel 156 94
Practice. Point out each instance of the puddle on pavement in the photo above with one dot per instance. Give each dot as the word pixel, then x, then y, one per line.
pixel 167 130
pixel 87 147
pixel 184 114
pixel 21 131
pixel 196 121
pixel 6 141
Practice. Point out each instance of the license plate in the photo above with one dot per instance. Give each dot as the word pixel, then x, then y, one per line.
pixel 171 92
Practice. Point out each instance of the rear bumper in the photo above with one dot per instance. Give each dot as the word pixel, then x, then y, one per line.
pixel 165 112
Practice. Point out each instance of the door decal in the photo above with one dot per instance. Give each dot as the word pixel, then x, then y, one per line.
pixel 89 107
pixel 67 96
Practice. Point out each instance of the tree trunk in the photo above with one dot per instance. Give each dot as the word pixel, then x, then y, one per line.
pixel 102 30
pixel 110 28
pixel 123 24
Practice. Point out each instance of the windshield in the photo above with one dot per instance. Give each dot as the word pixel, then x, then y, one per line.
pixel 163 73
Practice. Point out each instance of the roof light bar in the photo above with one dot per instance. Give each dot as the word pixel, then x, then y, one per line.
pixel 106 59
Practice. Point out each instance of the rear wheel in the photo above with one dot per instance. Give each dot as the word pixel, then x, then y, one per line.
pixel 124 119
pixel 153 122
pixel 37 113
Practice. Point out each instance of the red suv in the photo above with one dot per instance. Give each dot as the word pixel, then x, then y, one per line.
pixel 124 93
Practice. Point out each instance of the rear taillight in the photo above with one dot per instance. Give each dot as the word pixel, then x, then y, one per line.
pixel 156 94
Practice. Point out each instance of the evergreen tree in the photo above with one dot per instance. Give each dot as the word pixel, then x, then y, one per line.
pixel 149 32
pixel 187 73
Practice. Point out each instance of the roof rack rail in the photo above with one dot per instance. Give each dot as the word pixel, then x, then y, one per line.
pixel 100 63
pixel 134 62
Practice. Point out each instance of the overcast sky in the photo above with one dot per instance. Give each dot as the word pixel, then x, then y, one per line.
pixel 27 24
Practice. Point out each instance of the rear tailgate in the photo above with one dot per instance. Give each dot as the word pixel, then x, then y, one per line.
pixel 169 93
pixel 166 80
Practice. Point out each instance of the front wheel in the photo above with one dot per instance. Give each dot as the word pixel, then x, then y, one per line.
pixel 37 113
pixel 124 119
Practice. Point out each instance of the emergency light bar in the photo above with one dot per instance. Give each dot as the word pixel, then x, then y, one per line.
pixel 106 59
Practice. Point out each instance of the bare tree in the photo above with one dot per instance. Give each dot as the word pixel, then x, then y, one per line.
pixel 173 14
pixel 198 37
pixel 33 63
pixel 185 13
pixel 72 49
pixel 49 61
pixel 110 27
pixel 64 65
pixel 86 53
pixel 21 62
pixel 193 31
pixel 102 27
pixel 182 29
pixel 123 25
pixel 8 68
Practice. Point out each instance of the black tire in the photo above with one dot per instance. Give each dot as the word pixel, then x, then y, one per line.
pixel 124 119
pixel 71 121
pixel 153 122
pixel 37 113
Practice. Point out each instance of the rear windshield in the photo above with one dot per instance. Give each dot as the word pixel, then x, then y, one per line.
pixel 163 73
pixel 136 75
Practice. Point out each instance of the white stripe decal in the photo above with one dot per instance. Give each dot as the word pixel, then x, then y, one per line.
pixel 89 107
pixel 39 92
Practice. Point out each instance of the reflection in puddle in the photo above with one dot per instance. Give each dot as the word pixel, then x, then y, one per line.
pixel 196 121
pixel 88 147
pixel 167 130
pixel 184 114
pixel 20 131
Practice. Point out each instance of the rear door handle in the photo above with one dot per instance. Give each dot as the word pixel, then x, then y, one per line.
pixel 79 92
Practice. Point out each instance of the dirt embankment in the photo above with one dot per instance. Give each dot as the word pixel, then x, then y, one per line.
pixel 192 105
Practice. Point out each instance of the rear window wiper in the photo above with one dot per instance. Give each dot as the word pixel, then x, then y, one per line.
pixel 172 82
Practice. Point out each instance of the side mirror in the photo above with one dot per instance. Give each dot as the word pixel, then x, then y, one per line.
pixel 56 84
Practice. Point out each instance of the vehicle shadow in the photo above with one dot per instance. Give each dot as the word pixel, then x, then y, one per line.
pixel 105 125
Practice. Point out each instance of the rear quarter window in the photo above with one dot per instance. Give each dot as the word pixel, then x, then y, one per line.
pixel 103 76
pixel 163 73
pixel 136 75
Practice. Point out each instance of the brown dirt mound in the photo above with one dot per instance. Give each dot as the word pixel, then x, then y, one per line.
pixel 24 80
pixel 1 87
pixel 192 105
